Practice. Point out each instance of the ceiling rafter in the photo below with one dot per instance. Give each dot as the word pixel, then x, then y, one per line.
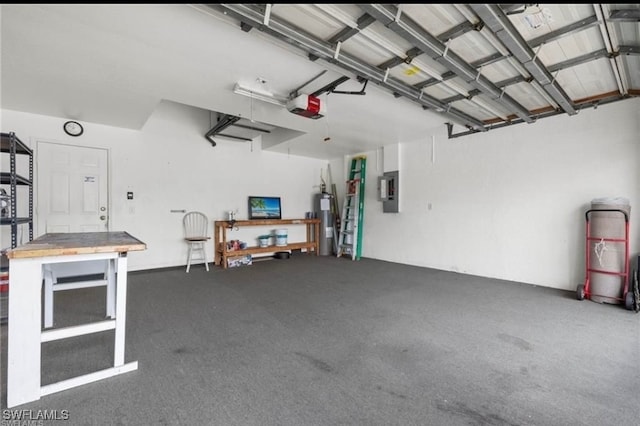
pixel 498 23
pixel 579 60
pixel 346 33
pixel 253 16
pixel 629 50
pixel 609 39
pixel 448 75
pixel 498 31
pixel 404 26
pixel 625 15
pixel 568 30
pixel 459 30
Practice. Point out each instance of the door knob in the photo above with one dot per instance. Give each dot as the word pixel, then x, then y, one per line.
pixel 103 218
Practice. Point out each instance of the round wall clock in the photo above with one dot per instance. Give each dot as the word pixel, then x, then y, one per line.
pixel 73 128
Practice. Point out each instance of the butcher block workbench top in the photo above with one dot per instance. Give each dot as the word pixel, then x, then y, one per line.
pixel 62 244
pixel 30 266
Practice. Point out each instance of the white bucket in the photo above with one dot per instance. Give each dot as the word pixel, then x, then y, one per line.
pixel 281 237
pixel 263 240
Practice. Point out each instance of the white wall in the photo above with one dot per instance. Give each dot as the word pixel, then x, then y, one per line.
pixel 509 203
pixel 170 165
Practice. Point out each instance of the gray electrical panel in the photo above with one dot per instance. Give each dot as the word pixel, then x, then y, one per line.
pixel 388 188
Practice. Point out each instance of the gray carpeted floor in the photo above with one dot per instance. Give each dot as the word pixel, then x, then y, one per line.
pixel 325 341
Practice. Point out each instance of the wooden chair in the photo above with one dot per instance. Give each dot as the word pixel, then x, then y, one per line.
pixel 196 226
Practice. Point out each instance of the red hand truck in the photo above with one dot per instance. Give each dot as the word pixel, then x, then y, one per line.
pixel 584 290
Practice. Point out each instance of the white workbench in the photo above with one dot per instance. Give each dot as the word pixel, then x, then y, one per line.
pixel 25 323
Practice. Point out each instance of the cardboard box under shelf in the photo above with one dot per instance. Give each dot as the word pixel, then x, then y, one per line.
pixel 236 261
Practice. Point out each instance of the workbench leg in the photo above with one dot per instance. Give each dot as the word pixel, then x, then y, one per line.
pixel 111 288
pixel 48 296
pixel 216 239
pixel 121 309
pixel 23 346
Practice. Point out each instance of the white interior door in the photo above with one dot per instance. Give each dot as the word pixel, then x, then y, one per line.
pixel 72 189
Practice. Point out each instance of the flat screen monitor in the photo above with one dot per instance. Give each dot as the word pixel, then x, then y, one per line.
pixel 264 207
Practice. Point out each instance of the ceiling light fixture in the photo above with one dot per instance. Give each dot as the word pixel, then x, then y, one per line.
pixel 260 95
pixel 538 18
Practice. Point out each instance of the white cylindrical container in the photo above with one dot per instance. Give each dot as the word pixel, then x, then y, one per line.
pixel 281 237
pixel 264 240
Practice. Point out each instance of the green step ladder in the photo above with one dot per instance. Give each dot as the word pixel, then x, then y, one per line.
pixel 351 221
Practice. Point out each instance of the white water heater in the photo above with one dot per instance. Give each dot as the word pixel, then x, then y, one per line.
pixel 322 208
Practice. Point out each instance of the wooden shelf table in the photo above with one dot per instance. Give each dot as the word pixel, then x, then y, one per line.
pixel 220 238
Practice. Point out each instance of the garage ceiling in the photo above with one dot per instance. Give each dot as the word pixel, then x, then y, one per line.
pixel 481 66
pixel 386 73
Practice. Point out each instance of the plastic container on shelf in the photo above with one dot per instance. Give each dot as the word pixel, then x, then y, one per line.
pixel 263 240
pixel 281 237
